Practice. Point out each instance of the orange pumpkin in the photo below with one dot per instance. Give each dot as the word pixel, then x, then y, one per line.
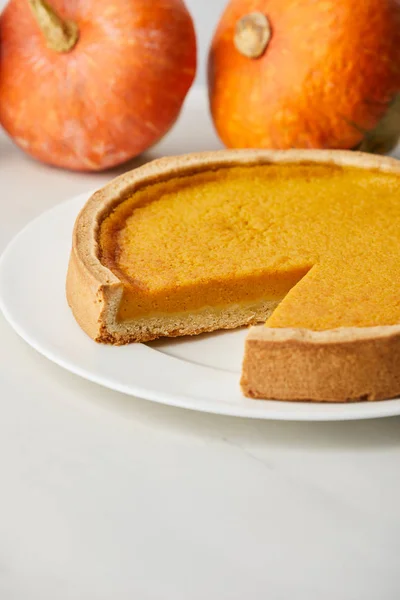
pixel 320 74
pixel 89 84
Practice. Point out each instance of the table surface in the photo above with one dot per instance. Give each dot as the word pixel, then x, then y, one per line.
pixel 105 497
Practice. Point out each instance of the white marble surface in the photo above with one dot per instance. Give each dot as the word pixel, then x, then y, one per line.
pixel 105 497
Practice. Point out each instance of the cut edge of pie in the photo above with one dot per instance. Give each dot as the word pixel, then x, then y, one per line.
pixel 346 364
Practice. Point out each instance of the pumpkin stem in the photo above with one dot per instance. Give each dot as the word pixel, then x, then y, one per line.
pixel 60 35
pixel 252 35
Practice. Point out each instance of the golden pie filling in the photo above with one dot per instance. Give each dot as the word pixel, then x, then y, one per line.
pixel 322 240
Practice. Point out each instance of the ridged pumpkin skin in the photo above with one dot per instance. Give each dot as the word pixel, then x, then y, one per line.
pixel 117 92
pixel 327 77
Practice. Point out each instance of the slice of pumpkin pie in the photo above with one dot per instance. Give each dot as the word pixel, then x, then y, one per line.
pixel 307 242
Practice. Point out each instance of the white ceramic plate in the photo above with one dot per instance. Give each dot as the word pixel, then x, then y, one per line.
pixel 198 373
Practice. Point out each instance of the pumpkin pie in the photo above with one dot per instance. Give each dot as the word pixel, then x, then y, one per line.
pixel 305 242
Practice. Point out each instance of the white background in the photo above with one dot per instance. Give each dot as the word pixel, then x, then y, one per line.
pixel 205 14
pixel 105 497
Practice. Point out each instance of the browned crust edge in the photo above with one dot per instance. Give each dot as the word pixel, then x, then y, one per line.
pixel 342 365
pixel 336 366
